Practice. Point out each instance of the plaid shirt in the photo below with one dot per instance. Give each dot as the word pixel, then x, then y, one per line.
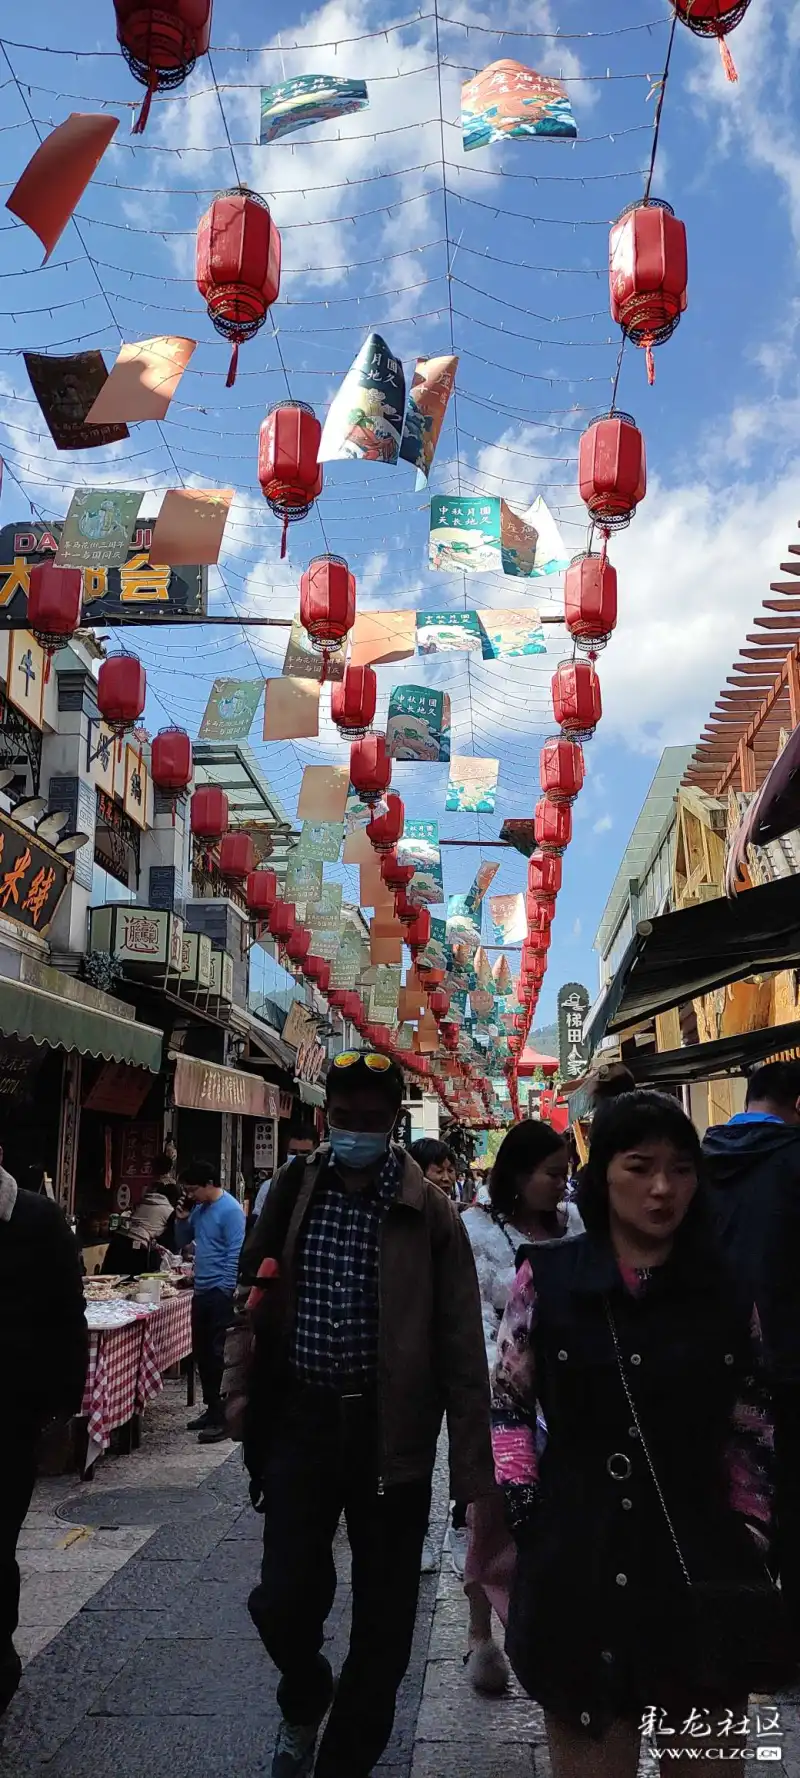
pixel 336 1324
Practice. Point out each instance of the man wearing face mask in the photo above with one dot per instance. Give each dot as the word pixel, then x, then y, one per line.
pixel 366 1329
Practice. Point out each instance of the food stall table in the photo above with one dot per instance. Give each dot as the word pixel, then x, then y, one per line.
pixel 125 1369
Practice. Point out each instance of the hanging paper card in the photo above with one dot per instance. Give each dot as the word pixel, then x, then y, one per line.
pixel 427 1035
pixel 323 793
pixel 448 632
pixel 404 1037
pixel 418 723
pixel 509 923
pixel 291 709
pixel 230 709
pixel 324 914
pixel 378 637
pixel 358 847
pixel 483 970
pixel 303 879
pixel 462 928
pixel 484 876
pixel 507 634
pixel 305 99
pixel 552 554
pixel 518 542
pixel 58 173
pixel 458 1005
pixel 365 418
pixel 66 389
pixel 420 846
pixel 502 976
pixel 481 1002
pixel 427 401
pixel 142 382
pixel 304 662
pixel 385 947
pixel 373 892
pixel 437 953
pixel 349 959
pixel 98 528
pixel 326 942
pixel 508 99
pixel 190 526
pixel 322 840
pixel 384 994
pixel 357 812
pixel 472 785
pixel 465 535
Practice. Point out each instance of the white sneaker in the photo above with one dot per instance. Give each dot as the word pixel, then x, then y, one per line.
pixel 429 1561
pixel 487 1668
pixel 295 1748
pixel 458 1544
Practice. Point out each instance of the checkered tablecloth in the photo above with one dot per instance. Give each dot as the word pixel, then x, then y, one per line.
pixel 171 1330
pixel 123 1375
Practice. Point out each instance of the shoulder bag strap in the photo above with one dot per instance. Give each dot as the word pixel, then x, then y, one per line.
pixel 643 1442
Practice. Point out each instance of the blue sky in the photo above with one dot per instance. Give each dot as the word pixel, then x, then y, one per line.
pixel 365 241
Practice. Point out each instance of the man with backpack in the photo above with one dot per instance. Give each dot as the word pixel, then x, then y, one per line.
pixel 358 1326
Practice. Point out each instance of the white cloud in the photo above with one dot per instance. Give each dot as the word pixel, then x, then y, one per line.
pixel 604 825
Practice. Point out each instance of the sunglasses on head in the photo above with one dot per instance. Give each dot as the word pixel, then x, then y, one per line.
pixel 376 1063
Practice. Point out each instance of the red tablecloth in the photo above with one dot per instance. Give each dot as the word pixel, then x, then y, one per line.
pixel 125 1366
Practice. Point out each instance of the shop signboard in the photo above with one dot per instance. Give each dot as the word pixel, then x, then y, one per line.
pixel 220 985
pixel 196 963
pixel 141 1145
pixel 573 1052
pixel 138 592
pixel 312 1060
pixel 119 1088
pixel 264 1146
pixel 19 1065
pixel 205 1086
pixel 32 878
pixel 142 938
pixel 299 1025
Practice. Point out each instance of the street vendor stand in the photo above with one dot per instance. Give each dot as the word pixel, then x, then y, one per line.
pixel 126 1368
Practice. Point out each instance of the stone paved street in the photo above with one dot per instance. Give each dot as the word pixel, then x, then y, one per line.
pixel 156 1670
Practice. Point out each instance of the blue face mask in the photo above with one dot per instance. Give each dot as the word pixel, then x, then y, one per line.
pixel 359 1149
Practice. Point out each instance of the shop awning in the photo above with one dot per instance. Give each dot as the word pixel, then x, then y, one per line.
pixel 310 1095
pixel 678 956
pixel 710 1061
pixel 28 1012
pixel 207 1086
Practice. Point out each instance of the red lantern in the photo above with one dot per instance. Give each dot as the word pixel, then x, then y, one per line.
pixel 449 1034
pixel 419 933
pixel 431 976
pixel 404 909
pixel 327 601
pixel 171 761
pixel 353 700
pixel 590 601
pixel 55 596
pixel 238 266
pixel 612 470
pixel 648 274
pixel 561 769
pixel 352 1007
pixel 384 831
pixel 545 873
pixel 282 921
pixel 313 967
pixel 439 1003
pixel 538 913
pixel 121 692
pixel 714 18
pixel 208 813
pixel 290 476
pixel 161 43
pixel 370 768
pixel 577 705
pixel 323 976
pixel 298 944
pixel 261 892
pixel 395 875
pixel 236 856
pixel 552 825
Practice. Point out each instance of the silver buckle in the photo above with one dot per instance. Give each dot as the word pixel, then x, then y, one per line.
pixel 619 1466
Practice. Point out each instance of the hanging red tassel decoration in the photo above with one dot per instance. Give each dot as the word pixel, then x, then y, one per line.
pixel 728 62
pixel 233 366
pixel 141 121
pixel 284 534
pixel 649 358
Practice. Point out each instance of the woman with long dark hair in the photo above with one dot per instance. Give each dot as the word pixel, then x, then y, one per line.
pixel 640 1599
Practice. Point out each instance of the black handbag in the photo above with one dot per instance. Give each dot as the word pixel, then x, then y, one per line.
pixel 732 1632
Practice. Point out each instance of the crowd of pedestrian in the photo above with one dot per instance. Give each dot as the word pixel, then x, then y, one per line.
pixel 615 1353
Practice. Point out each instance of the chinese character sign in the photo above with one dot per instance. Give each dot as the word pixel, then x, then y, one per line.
pixel 448 632
pixel 32 879
pixel 484 877
pixel 418 723
pixel 472 785
pixel 306 99
pixel 427 401
pixel 465 535
pixel 365 418
pixel 507 634
pixel 508 99
pixel 573 1052
pixel 232 704
pixel 420 846
pixel 98 529
pixel 131 589
pixel 509 923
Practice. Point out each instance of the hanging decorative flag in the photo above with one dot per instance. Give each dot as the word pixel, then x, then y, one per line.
pixel 552 555
pixel 301 661
pixel 142 381
pixel 420 846
pixel 427 403
pixel 321 840
pixel 502 978
pixel 190 526
pixel 465 535
pixel 508 99
pixel 379 637
pixel 437 953
pixel 350 960
pixel 303 879
pixel 365 418
pixel 449 632
pixel 324 914
pixel 323 793
pixel 384 994
pixel 57 175
pixel 472 785
pixel 229 713
pixel 508 634
pixel 307 99
pixel 509 923
pixel 518 542
pixel 98 528
pixel 484 877
pixel 66 389
pixel 463 930
pixel 291 709
pixel 418 723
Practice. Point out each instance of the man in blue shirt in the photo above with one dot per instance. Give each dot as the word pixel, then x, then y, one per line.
pixel 216 1224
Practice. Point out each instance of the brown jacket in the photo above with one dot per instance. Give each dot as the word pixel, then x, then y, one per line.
pixel 431 1359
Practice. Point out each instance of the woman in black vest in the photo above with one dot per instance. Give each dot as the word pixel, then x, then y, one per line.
pixel 641 1603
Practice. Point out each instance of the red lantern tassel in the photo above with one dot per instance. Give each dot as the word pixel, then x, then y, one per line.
pixel 48 662
pixel 284 534
pixel 233 367
pixel 728 62
pixel 152 86
pixel 649 361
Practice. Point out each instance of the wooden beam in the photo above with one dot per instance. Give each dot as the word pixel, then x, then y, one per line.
pixel 791 605
pixel 771 623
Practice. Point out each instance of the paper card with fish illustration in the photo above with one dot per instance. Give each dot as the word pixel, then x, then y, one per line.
pixel 518 542
pixel 484 876
pixel 465 534
pixel 351 958
pixel 449 632
pixel 66 388
pixel 472 786
pixel 365 419
pixel 505 635
pixel 325 913
pixel 384 993
pixel 327 941
pixel 357 814
pixel 303 879
pixel 418 724
pixel 437 953
pixel 98 529
pixel 509 922
pixel 321 840
pixel 306 99
pixel 229 713
pixel 501 971
pixel 508 99
pixel 552 555
pixel 428 396
pixel 420 846
pixel 301 661
pixel 463 931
